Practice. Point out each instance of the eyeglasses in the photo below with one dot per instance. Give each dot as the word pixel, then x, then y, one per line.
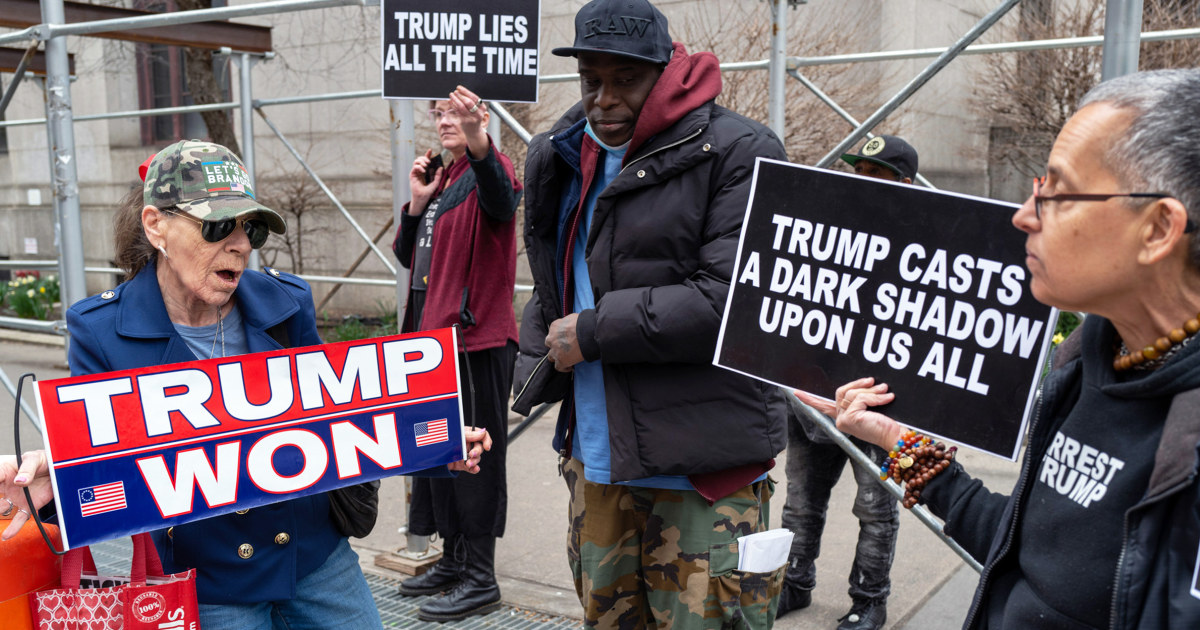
pixel 256 229
pixel 1039 199
pixel 436 115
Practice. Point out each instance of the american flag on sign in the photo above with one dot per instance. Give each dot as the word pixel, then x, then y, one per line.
pixel 431 432
pixel 103 498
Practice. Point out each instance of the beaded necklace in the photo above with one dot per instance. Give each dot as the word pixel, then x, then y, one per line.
pixel 1153 356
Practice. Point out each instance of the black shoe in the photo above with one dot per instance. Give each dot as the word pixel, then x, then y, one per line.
pixel 461 602
pixel 477 594
pixel 866 616
pixel 792 597
pixel 442 576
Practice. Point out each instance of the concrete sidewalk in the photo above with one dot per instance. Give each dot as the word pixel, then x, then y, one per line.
pixel 931 587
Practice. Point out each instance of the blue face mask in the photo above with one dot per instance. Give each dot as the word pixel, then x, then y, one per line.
pixel 611 149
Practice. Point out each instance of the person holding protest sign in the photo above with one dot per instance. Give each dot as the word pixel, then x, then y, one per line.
pixel 634 203
pixel 1102 528
pixel 184 240
pixel 815 463
pixel 458 237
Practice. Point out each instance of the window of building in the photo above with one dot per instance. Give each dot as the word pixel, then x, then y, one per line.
pixel 162 82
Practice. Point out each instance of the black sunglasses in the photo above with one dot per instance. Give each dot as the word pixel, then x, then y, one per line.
pixel 256 229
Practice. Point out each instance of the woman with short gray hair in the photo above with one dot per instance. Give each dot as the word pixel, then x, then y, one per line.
pixel 1103 527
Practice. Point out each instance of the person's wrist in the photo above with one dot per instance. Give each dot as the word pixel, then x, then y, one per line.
pixel 897 432
pixel 913 461
pixel 478 143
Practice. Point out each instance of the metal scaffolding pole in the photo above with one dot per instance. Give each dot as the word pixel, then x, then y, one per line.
pixel 860 459
pixel 737 66
pixel 825 98
pixel 1122 38
pixel 246 107
pixel 918 81
pixel 58 28
pixel 495 124
pixel 507 117
pixel 776 77
pixel 56 327
pixel 157 111
pixel 18 74
pixel 980 49
pixel 29 412
pixel 923 53
pixel 403 139
pixel 63 174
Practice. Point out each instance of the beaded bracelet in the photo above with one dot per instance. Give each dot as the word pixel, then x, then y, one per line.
pixel 913 462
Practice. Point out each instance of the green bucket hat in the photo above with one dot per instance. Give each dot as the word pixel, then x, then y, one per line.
pixel 205 180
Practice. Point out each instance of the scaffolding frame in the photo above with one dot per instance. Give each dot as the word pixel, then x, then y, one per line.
pixel 1121 42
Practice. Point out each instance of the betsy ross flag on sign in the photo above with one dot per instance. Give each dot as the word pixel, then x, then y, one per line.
pixel 431 432
pixel 102 498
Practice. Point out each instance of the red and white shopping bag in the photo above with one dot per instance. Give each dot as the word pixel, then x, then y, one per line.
pixel 146 600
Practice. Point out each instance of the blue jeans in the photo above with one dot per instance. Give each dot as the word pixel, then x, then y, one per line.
pixel 336 595
pixel 812 470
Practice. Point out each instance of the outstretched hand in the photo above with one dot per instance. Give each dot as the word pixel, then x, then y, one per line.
pixel 852 410
pixel 33 472
pixel 478 441
pixel 473 118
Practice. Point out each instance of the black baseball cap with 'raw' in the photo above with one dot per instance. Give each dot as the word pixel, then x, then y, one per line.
pixel 629 28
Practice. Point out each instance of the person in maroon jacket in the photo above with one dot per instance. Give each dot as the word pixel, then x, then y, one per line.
pixel 458 238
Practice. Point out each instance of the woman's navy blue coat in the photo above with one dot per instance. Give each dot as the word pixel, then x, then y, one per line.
pixel 128 327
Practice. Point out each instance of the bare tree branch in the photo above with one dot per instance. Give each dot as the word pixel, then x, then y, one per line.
pixel 203 85
pixel 1030 96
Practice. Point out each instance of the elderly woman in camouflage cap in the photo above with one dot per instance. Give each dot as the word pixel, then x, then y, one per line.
pixel 184 241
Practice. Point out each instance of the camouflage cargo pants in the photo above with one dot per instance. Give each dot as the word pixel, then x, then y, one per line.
pixel 666 559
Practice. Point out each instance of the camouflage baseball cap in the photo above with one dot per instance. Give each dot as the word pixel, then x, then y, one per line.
pixel 205 180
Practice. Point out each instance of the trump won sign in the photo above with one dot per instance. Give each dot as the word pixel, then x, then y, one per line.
pixel 144 449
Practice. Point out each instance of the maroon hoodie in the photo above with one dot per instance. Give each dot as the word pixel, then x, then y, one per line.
pixel 687 82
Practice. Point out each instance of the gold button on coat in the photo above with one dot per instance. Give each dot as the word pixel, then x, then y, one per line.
pixel 282 538
pixel 170 532
pixel 245 551
pixel 241 511
pixel 707 146
pixel 641 174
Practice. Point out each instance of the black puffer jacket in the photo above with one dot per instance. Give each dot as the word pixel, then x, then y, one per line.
pixel 1156 578
pixel 660 254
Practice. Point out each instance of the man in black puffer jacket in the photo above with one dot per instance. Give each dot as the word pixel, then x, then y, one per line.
pixel 634 204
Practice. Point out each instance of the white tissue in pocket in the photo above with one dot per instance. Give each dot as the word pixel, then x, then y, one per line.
pixel 764 551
